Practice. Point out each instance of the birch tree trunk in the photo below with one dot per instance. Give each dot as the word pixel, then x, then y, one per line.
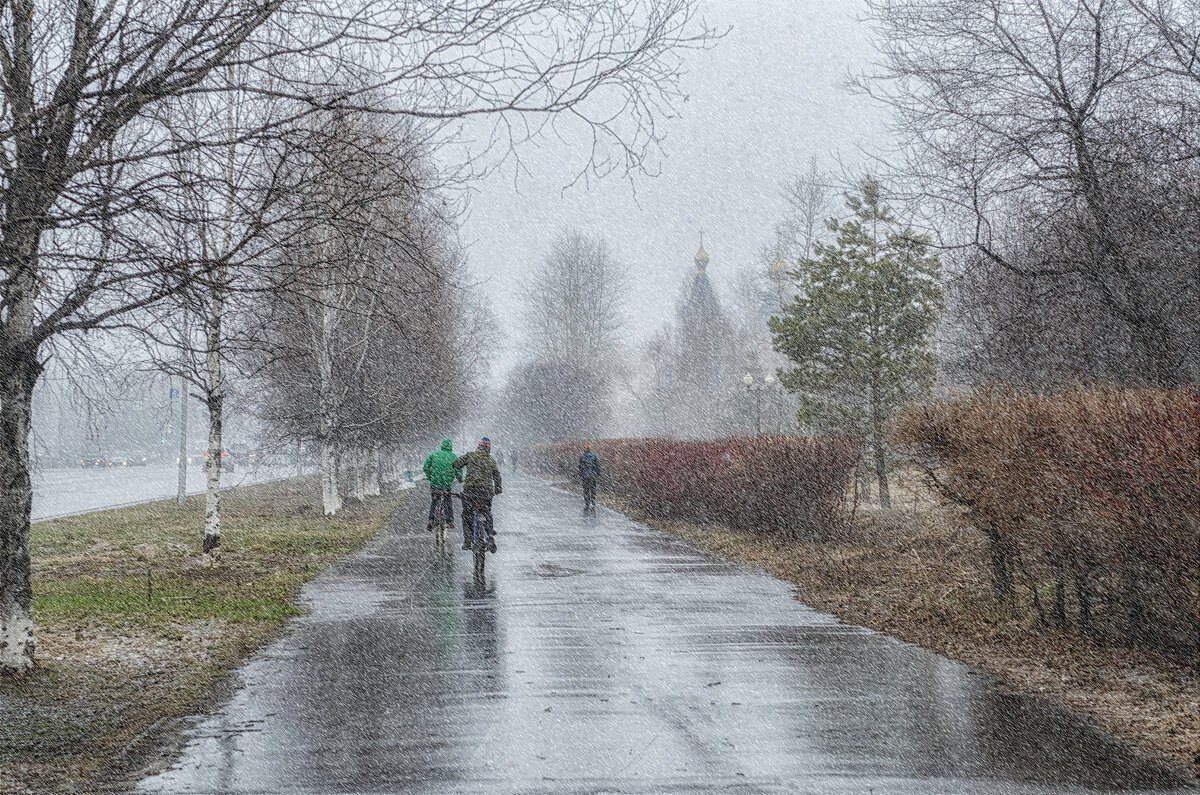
pixel 17 640
pixel 20 372
pixel 212 494
pixel 216 417
pixel 181 473
pixel 215 350
pixel 331 500
pixel 375 482
pixel 360 479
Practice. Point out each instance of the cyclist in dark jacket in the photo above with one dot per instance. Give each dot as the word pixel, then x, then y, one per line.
pixel 589 470
pixel 482 482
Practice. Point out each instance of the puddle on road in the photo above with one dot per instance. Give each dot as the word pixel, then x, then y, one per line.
pixel 343 599
pixel 553 570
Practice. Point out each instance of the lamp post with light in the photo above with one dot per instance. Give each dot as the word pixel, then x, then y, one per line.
pixel 757 387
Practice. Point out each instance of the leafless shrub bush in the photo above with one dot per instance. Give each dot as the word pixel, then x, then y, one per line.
pixel 1097 489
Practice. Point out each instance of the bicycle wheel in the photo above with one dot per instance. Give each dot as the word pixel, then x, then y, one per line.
pixel 478 541
pixel 439 520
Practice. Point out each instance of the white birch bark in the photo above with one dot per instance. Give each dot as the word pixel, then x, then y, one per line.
pixel 216 410
pixel 215 350
pixel 360 490
pixel 331 500
pixel 181 472
pixel 17 640
pixel 375 479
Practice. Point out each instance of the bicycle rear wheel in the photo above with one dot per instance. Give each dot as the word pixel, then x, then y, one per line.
pixel 439 520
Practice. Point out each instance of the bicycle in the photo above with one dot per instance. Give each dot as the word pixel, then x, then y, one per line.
pixel 589 496
pixel 441 517
pixel 479 536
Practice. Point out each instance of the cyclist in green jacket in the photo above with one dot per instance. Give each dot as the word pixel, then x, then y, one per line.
pixel 439 468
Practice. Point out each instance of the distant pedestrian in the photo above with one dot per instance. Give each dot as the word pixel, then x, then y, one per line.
pixel 512 457
pixel 498 454
pixel 589 470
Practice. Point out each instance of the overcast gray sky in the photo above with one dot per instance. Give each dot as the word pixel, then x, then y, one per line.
pixel 760 103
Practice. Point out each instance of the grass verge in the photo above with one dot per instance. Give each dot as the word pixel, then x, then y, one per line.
pixel 919 573
pixel 133 632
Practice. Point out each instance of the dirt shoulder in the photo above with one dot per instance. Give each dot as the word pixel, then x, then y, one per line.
pixel 134 633
pixel 918 573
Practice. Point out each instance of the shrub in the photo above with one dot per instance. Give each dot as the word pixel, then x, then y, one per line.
pixel 794 487
pixel 1098 488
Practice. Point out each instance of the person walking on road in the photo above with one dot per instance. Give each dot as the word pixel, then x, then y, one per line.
pixel 481 483
pixel 589 470
pixel 439 468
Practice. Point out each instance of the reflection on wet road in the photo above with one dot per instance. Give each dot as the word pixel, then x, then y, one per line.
pixel 599 656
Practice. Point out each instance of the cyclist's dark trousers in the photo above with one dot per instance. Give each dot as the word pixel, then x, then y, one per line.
pixel 485 515
pixel 589 493
pixel 447 506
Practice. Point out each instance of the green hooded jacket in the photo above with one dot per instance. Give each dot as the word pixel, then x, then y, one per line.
pixel 439 467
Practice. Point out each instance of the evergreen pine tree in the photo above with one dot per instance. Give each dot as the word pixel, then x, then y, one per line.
pixel 858 332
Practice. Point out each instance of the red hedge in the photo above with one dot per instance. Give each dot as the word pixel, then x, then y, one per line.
pixel 795 487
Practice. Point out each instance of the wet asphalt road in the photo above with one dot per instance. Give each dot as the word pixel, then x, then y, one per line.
pixel 600 656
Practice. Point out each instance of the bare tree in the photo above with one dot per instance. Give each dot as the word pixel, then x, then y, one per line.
pixel 574 312
pixel 575 301
pixel 807 196
pixel 1038 332
pixel 358 333
pixel 222 213
pixel 83 84
pixel 1029 121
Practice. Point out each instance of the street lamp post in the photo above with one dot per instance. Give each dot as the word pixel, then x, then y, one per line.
pixel 757 388
pixel 770 385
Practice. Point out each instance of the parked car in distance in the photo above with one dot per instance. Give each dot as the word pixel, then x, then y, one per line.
pixel 124 459
pixel 93 460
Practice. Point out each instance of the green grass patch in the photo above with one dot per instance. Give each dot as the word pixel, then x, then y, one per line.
pixel 133 629
pixel 141 564
pixel 169 599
